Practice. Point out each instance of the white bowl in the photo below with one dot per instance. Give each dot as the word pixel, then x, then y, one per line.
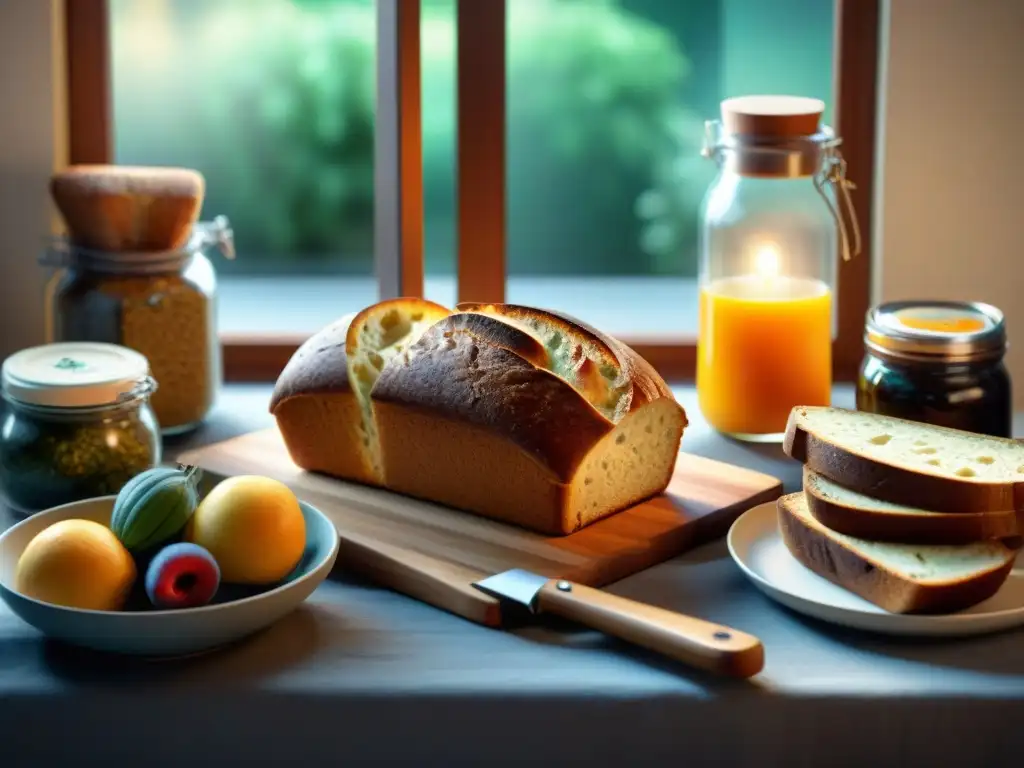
pixel 234 614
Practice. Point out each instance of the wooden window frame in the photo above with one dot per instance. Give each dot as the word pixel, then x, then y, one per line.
pixel 480 155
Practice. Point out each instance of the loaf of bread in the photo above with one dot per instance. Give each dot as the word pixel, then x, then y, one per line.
pixel 907 462
pixel 899 578
pixel 510 412
pixel 860 515
pixel 117 209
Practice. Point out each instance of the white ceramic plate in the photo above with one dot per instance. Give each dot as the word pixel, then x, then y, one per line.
pixel 756 545
pixel 231 617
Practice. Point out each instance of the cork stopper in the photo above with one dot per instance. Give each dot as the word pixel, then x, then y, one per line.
pixel 119 209
pixel 779 117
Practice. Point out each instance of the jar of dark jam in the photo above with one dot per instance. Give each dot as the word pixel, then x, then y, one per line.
pixel 937 362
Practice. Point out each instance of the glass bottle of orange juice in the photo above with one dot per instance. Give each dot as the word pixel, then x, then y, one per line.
pixel 773 224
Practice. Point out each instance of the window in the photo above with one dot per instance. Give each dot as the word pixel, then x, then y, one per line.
pixel 600 179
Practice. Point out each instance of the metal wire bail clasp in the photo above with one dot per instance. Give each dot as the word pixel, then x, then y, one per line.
pixel 833 173
pixel 217 233
pixel 712 138
pixel 144 387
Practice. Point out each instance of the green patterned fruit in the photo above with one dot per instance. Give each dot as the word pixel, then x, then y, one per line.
pixel 154 506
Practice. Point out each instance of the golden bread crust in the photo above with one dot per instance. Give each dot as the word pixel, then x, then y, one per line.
pixel 636 377
pixel 456 375
pixel 318 367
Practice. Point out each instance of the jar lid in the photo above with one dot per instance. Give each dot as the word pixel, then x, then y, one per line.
pixel 950 331
pixel 75 375
pixel 779 137
pixel 772 116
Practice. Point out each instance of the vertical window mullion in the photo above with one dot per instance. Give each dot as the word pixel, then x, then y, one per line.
pixel 856 47
pixel 88 81
pixel 480 149
pixel 398 152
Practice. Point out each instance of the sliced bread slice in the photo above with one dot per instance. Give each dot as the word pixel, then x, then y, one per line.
pixel 321 399
pixel 908 462
pixel 898 578
pixel 855 514
pixel 376 336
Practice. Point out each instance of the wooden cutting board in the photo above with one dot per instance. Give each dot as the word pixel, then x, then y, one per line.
pixel 435 553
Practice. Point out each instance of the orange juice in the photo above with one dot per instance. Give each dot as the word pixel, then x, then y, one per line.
pixel 764 346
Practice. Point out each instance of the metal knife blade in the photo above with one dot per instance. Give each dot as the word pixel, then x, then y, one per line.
pixel 694 641
pixel 516 585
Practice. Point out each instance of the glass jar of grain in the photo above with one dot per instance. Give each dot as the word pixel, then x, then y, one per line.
pixel 160 304
pixel 77 424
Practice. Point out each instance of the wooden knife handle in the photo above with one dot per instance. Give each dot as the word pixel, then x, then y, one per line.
pixel 700 643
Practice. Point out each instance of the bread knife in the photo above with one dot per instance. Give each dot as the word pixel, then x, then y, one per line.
pixel 703 644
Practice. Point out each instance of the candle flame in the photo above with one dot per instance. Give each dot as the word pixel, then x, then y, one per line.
pixel 766 260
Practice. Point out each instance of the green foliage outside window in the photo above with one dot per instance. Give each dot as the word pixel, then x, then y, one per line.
pixel 279 116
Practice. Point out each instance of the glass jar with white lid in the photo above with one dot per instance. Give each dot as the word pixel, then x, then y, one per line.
pixel 77 424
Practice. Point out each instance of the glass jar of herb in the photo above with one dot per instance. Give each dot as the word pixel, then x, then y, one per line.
pixel 77 424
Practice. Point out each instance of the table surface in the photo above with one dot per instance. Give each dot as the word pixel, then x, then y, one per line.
pixel 363 675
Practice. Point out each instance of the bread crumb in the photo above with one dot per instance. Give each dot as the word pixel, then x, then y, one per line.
pixel 620 439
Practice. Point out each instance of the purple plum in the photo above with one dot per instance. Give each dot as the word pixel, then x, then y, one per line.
pixel 182 575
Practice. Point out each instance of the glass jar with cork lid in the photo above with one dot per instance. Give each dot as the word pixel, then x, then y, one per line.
pixel 77 424
pixel 773 224
pixel 133 271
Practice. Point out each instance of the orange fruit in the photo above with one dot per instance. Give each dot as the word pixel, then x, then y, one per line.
pixel 254 528
pixel 77 564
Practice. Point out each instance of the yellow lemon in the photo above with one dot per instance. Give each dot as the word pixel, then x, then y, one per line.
pixel 78 564
pixel 253 527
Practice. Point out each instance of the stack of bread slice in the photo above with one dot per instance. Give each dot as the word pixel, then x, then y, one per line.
pixel 911 517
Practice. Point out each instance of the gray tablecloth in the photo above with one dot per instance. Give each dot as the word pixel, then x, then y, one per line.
pixel 364 676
